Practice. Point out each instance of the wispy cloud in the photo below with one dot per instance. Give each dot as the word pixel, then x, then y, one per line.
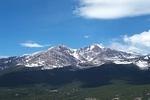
pixel 32 44
pixel 86 36
pixel 4 56
pixel 139 43
pixel 112 9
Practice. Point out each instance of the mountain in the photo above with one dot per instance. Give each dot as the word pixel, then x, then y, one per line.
pixel 86 57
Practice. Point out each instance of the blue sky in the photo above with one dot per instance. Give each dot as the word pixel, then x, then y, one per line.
pixel 27 26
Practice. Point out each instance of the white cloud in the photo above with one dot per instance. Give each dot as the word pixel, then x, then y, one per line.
pixel 142 39
pixel 86 36
pixel 31 44
pixel 139 43
pixel 112 9
pixel 127 48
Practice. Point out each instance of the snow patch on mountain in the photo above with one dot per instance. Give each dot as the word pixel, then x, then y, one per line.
pixel 142 64
pixel 122 62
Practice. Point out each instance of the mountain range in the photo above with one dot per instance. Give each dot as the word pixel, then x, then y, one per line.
pixel 87 57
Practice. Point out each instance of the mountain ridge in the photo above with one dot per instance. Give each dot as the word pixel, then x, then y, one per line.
pixel 90 56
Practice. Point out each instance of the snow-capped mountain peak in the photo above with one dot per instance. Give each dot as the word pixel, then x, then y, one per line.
pixel 93 55
pixel 96 46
